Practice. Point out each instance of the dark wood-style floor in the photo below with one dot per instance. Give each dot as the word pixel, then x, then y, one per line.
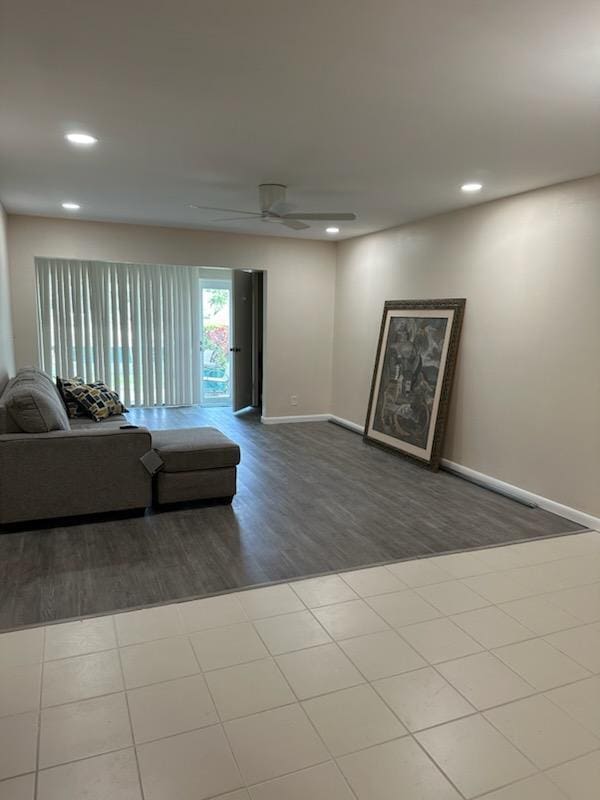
pixel 312 498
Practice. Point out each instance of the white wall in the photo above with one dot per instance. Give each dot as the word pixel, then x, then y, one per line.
pixel 7 360
pixel 300 291
pixel 526 401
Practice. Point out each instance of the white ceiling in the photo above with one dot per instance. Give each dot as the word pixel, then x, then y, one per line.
pixel 381 107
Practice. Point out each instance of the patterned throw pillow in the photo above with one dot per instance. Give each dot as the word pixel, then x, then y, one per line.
pixel 65 386
pixel 98 400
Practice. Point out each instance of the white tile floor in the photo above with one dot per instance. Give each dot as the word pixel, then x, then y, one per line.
pixel 460 676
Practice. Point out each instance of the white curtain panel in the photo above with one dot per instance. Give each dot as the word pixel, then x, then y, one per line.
pixel 134 326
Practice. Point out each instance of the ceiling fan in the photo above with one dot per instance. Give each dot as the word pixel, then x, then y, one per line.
pixel 273 208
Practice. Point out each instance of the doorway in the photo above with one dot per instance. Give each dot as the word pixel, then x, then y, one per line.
pixel 230 336
pixel 247 339
pixel 215 348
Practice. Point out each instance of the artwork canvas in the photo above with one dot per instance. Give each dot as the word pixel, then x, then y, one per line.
pixel 414 368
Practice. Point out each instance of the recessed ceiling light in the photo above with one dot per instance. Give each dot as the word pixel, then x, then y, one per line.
pixel 71 206
pixel 81 138
pixel 332 229
pixel 471 187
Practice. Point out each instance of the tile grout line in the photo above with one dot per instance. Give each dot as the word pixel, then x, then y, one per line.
pixel 330 760
pixel 539 770
pixel 551 779
pixel 306 610
pixel 537 774
pixel 82 655
pixel 314 727
pixel 220 722
pixel 567 655
pixel 565 710
pixel 39 725
pixel 75 761
pixel 296 702
pixel 131 730
pixel 438 766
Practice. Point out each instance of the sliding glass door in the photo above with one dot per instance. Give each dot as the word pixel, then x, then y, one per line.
pixel 157 334
pixel 215 328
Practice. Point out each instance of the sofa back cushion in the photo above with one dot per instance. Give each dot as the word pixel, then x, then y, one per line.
pixel 7 425
pixel 34 374
pixel 32 404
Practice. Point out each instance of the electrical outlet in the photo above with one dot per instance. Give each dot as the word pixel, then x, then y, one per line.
pixel 294 400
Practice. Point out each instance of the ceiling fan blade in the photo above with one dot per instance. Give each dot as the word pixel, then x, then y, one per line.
pixel 280 208
pixel 295 224
pixel 227 210
pixel 325 217
pixel 231 219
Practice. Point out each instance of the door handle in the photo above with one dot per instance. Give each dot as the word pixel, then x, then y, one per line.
pixel 235 349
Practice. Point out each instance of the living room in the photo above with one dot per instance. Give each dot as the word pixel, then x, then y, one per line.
pixel 280 589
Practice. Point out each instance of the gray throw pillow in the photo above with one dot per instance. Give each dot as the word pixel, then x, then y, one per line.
pixel 36 410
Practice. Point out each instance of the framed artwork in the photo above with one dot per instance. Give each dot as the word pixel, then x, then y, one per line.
pixel 412 379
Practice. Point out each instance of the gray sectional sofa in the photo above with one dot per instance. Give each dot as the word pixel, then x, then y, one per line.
pixel 53 466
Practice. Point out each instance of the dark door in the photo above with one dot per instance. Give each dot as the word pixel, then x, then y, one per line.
pixel 241 339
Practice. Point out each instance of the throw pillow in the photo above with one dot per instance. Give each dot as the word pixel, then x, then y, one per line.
pixel 98 400
pixel 65 385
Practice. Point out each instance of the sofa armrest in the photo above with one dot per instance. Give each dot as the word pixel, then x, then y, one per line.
pixel 64 473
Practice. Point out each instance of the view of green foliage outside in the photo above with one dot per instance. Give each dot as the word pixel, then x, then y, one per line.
pixel 215 342
pixel 218 299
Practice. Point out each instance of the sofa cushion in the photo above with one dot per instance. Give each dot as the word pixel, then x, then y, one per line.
pixel 34 408
pixel 97 399
pixel 87 423
pixel 185 449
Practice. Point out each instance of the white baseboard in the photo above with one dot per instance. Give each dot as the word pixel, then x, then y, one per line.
pixel 346 423
pixel 299 418
pixel 586 520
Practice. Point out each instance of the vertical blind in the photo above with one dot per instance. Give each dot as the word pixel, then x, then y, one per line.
pixel 134 326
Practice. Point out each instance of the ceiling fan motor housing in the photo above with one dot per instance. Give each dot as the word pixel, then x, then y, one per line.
pixel 271 193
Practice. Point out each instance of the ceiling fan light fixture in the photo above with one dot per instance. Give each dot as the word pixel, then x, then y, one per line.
pixel 471 186
pixel 81 139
